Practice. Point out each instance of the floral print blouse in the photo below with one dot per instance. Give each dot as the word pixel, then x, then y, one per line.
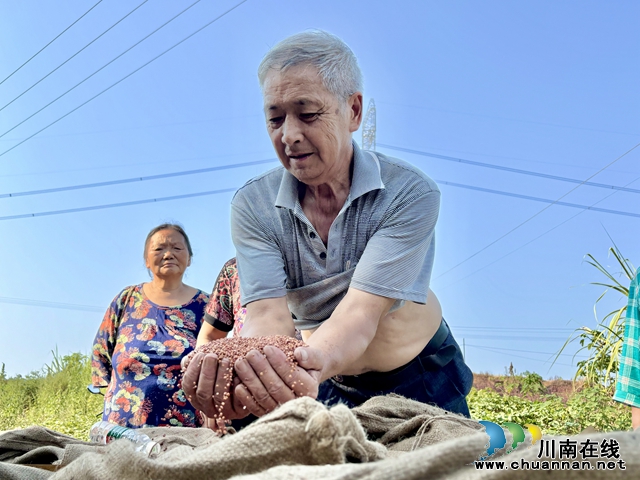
pixel 137 353
pixel 224 310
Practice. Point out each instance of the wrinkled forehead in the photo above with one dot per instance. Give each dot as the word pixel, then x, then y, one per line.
pixel 299 85
pixel 168 236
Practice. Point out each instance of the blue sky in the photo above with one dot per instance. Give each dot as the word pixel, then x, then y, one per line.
pixel 546 87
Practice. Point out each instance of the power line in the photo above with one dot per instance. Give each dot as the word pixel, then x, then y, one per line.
pixel 257 162
pixel 522 356
pixel 509 169
pixel 538 199
pixel 114 205
pixel 538 213
pixel 519 329
pixel 75 54
pixel 57 36
pixel 523 338
pixel 101 68
pixel 40 303
pixel 125 77
pixel 457 282
pixel 138 179
pixel 527 351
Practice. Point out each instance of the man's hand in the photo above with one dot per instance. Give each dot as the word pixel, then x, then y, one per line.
pixel 208 390
pixel 267 380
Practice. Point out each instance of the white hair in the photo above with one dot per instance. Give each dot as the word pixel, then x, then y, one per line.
pixel 336 64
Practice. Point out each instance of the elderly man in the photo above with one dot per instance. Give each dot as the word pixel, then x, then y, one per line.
pixel 338 242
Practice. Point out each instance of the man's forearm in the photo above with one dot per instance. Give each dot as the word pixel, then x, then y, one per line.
pixel 346 335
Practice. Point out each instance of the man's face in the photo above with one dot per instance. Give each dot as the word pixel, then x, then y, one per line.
pixel 310 128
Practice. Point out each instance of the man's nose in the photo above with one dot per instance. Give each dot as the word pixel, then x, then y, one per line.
pixel 291 131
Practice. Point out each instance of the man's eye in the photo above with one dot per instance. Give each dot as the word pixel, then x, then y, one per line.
pixel 309 116
pixel 275 120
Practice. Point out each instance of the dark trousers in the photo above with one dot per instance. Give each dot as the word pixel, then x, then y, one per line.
pixel 438 375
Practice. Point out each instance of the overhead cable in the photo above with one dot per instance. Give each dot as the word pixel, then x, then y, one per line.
pixel 509 169
pixel 101 68
pixel 138 179
pixel 125 77
pixel 538 213
pixel 527 351
pixel 57 36
pixel 457 282
pixel 191 172
pixel 121 204
pixel 538 199
pixel 41 303
pixel 490 349
pixel 75 54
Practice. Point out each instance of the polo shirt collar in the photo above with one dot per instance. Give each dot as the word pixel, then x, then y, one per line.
pixel 366 178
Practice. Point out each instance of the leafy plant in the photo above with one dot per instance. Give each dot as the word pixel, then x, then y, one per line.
pixel 604 342
pixel 589 407
pixel 531 383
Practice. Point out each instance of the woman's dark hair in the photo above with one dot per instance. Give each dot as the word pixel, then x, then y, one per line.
pixel 167 226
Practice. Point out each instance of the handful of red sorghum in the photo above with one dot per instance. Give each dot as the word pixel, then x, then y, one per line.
pixel 235 348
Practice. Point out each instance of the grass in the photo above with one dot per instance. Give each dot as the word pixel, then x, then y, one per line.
pixel 57 398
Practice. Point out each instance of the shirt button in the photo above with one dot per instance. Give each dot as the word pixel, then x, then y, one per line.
pixel 323 255
pixel 312 235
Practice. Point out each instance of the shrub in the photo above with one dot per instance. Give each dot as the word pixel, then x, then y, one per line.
pixel 589 407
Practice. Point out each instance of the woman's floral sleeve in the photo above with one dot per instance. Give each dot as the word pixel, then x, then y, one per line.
pixel 105 340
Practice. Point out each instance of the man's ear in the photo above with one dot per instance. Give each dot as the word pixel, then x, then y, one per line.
pixel 354 104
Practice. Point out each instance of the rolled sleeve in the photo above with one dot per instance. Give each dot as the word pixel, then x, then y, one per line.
pixel 398 258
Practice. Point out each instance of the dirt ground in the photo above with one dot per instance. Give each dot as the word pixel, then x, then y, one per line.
pixel 504 384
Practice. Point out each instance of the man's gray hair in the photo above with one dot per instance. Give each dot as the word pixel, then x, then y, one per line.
pixel 336 64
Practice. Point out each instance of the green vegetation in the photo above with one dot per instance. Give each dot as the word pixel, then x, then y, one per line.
pixel 603 343
pixel 591 406
pixel 56 397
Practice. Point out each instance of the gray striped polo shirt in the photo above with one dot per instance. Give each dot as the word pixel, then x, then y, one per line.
pixel 382 241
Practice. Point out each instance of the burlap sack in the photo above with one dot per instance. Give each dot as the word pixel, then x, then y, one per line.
pixel 434 462
pixel 35 445
pixel 403 425
pixel 301 432
pixel 454 460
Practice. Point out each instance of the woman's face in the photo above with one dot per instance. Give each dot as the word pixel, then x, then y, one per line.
pixel 167 254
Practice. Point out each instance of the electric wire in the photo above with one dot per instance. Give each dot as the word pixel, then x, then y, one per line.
pixel 74 55
pixel 258 162
pixel 538 213
pixel 538 199
pixel 121 204
pixel 522 356
pixel 41 303
pixel 101 68
pixel 508 169
pixel 125 77
pixel 57 36
pixel 527 351
pixel 457 282
pixel 139 179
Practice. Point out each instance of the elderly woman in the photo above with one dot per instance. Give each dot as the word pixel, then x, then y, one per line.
pixel 145 332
